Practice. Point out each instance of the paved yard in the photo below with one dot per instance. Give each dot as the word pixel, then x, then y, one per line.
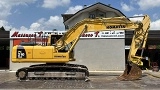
pixel 98 81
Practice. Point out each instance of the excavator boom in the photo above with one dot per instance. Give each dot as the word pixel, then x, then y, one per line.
pixel 139 39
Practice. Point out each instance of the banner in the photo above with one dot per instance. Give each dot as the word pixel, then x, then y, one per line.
pixel 98 34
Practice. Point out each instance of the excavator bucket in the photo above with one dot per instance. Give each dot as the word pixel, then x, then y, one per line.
pixel 132 72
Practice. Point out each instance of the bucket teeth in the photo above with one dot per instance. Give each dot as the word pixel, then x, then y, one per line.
pixel 132 72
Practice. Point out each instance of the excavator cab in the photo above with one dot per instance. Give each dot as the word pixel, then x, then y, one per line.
pixel 55 38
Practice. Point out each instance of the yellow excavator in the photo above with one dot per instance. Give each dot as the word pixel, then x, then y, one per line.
pixel 56 56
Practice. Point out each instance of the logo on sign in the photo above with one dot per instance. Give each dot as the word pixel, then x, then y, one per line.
pixel 115 26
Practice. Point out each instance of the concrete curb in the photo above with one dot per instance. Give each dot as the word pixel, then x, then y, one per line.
pixel 154 74
pixel 102 73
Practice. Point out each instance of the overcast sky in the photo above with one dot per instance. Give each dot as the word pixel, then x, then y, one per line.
pixel 46 14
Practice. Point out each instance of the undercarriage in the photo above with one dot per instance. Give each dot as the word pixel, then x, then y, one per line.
pixel 53 71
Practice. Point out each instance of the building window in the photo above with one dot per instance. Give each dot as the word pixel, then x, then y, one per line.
pixel 101 15
pixel 66 27
pixel 92 16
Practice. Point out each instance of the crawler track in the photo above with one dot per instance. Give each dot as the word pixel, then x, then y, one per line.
pixel 53 71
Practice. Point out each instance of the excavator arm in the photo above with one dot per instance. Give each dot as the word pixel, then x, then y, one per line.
pixel 92 25
pixel 103 24
pixel 140 28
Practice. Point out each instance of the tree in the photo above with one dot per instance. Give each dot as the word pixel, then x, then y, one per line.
pixel 2 29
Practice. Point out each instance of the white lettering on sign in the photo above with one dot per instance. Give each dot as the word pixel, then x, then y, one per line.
pixel 98 34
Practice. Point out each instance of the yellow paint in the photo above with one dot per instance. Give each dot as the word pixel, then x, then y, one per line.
pixel 39 60
pixel 42 52
pixel 29 51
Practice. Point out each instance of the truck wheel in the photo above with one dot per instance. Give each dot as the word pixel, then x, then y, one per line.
pixel 22 74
